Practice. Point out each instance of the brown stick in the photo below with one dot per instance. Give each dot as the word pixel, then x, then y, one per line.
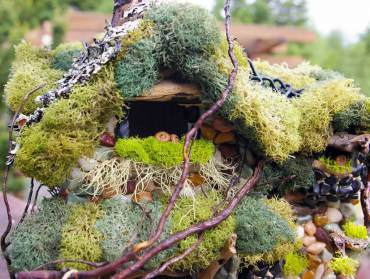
pixel 92 264
pixel 162 268
pixel 6 173
pixel 365 202
pixel 28 202
pixel 118 11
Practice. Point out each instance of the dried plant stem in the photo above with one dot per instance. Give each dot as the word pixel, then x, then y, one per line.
pixel 173 260
pixel 28 201
pixel 68 261
pixel 365 202
pixel 7 169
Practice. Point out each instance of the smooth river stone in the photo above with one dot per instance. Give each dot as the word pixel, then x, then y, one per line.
pixel 316 248
pixel 319 271
pixel 310 228
pixel 308 240
pixel 334 215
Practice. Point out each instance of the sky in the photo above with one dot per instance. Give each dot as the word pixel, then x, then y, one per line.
pixel 351 17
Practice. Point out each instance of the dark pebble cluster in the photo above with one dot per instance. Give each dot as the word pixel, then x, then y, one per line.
pixel 332 189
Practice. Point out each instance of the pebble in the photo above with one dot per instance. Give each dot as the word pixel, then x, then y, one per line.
pixel 333 228
pixel 321 220
pixel 222 126
pixel 330 276
pixel 308 275
pixel 310 228
pixel 326 256
pixel 308 240
pixel 103 154
pixel 319 271
pixel 87 164
pixel 304 219
pixel 143 196
pixel 300 232
pixel 348 210
pixel 313 261
pixel 316 248
pixel 334 215
pixel 111 126
pixel 123 130
pixel 323 236
pixel 333 204
pixel 107 139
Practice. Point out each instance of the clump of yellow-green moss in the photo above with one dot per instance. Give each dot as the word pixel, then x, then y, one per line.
pixel 152 151
pixel 69 129
pixel 295 264
pixel 189 211
pixel 333 167
pixel 344 266
pixel 80 239
pixel 273 118
pixel 30 69
pixel 323 99
pixel 355 231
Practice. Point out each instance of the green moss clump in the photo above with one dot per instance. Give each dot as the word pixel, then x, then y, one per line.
pixel 36 240
pixel 292 175
pixel 271 116
pixel 80 239
pixel 344 266
pixel 190 211
pixel 262 233
pixel 138 71
pixel 184 30
pixel 152 151
pixel 355 119
pixel 324 98
pixel 355 231
pixel 332 166
pixel 69 130
pixel 64 55
pixel 26 78
pixel 27 53
pixel 295 264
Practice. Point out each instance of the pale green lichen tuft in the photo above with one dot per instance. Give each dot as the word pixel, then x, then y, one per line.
pixel 355 231
pixel 295 264
pixel 344 266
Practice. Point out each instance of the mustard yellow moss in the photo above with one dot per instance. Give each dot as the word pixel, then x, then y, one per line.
pixel 295 264
pixel 355 231
pixel 344 266
pixel 318 104
pixel 69 129
pixel 299 77
pixel 332 166
pixel 189 211
pixel 273 118
pixel 80 239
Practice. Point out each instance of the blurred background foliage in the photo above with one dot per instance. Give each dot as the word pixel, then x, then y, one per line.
pixel 332 51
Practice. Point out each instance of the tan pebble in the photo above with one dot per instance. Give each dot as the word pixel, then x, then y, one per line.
pixel 316 248
pixel 308 240
pixel 308 275
pixel 319 271
pixel 313 261
pixel 310 228
pixel 334 215
pixel 143 196
pixel 320 220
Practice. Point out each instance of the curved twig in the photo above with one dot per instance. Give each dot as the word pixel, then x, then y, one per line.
pixel 28 202
pixel 3 243
pixel 36 198
pixel 92 264
pixel 173 260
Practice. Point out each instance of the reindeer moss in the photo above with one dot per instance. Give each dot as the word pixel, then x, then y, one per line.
pixel 190 211
pixel 64 55
pixel 37 239
pixel 183 30
pixel 355 231
pixel 344 266
pixel 262 233
pixel 69 130
pixel 80 239
pixel 25 78
pixel 168 154
pixel 138 70
pixel 295 264
pixel 323 99
pixel 355 119
pixel 270 115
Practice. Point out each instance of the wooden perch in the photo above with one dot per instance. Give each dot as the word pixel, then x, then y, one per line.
pixel 167 89
pixel 226 253
pixel 349 143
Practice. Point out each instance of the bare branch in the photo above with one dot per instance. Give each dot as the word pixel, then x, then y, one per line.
pixel 28 201
pixel 92 264
pixel 7 169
